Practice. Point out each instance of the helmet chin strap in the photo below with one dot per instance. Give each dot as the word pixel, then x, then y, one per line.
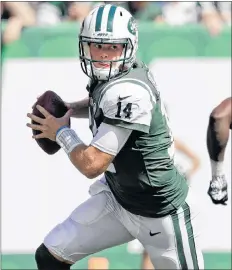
pixel 104 74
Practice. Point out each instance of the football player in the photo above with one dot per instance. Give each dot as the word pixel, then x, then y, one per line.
pixel 142 195
pixel 220 122
pixel 181 147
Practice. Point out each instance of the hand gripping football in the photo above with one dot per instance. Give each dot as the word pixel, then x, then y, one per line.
pixel 51 102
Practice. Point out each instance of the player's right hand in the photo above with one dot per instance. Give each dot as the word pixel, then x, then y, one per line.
pixel 218 190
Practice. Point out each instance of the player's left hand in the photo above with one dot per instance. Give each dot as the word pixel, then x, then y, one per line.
pixel 48 125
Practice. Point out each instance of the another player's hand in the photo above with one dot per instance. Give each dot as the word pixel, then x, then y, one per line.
pixel 48 125
pixel 218 190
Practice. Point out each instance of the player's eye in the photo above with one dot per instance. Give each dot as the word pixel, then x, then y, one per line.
pixel 98 46
pixel 114 47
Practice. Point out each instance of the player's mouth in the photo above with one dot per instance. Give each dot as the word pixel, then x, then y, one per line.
pixel 104 65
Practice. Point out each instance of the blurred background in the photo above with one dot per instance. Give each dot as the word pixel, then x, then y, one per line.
pixel 187 46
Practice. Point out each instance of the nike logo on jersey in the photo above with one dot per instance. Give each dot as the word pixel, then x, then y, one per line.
pixel 152 234
pixel 121 98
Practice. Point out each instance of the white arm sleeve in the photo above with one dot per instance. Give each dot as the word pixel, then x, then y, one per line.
pixel 128 104
pixel 110 139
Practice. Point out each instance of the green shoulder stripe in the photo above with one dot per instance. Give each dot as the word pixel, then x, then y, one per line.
pixel 133 126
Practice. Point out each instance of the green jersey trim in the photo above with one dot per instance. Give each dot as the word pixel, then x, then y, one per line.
pixel 124 124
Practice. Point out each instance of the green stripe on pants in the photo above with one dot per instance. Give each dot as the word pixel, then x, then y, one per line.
pixel 188 224
pixel 111 18
pixel 99 18
pixel 179 242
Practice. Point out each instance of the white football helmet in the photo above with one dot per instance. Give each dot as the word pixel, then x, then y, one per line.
pixel 108 24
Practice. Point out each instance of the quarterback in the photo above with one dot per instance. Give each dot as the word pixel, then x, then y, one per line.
pixel 141 195
pixel 220 123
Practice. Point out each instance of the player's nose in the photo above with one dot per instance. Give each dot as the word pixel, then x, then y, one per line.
pixel 104 55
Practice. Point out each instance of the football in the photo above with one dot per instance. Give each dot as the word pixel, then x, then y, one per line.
pixel 56 107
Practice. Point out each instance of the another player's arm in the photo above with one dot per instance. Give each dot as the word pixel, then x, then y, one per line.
pixel 182 147
pixel 217 138
pixel 218 134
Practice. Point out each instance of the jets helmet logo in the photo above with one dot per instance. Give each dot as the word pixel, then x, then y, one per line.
pixel 132 26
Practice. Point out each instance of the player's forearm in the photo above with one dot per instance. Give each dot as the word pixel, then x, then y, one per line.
pixel 217 137
pixel 79 160
pixel 80 108
pixel 83 157
pixel 218 130
pixel 86 162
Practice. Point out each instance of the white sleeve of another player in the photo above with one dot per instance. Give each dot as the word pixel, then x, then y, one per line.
pixel 110 139
pixel 128 104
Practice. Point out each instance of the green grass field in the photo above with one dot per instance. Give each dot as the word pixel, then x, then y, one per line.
pixel 118 257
